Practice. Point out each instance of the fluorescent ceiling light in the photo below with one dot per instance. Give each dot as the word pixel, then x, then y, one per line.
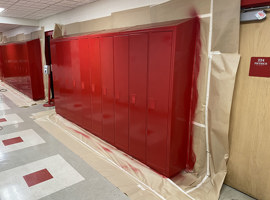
pixel 2 9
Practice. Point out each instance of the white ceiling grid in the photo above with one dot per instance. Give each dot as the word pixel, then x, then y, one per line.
pixel 38 9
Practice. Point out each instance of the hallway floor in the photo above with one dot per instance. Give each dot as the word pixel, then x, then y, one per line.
pixel 35 165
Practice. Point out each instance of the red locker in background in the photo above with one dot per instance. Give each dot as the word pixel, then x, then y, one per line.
pixel 132 89
pixel 22 68
pixel 35 69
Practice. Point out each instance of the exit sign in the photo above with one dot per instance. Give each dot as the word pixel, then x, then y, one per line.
pixel 260 66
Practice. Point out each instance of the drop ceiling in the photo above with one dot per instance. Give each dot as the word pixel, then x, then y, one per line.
pixel 38 9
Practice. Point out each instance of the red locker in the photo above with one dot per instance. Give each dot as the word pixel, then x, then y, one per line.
pixel 66 80
pixel 180 103
pixel 85 110
pixel 35 72
pixel 96 107
pixel 106 57
pixel 121 60
pixel 160 51
pixel 75 92
pixel 58 77
pixel 138 55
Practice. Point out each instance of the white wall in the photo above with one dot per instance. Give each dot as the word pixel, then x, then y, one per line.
pixel 100 8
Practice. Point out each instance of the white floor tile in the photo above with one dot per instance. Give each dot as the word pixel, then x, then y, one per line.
pixel 11 119
pixel 29 137
pixel 4 106
pixel 13 185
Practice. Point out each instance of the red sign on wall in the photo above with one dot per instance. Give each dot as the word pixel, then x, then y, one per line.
pixel 260 67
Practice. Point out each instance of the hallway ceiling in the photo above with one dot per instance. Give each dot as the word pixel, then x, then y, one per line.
pixel 38 9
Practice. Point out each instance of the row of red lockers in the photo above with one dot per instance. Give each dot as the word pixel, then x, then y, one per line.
pixel 21 67
pixel 132 89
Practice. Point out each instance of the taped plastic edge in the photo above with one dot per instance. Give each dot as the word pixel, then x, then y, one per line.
pixel 199 185
pixel 198 124
pixel 208 91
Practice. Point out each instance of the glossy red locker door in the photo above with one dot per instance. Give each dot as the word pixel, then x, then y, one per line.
pixel 85 114
pixel 58 76
pixel 94 54
pixel 106 61
pixel 160 50
pixel 35 80
pixel 67 80
pixel 121 58
pixel 75 93
pixel 138 55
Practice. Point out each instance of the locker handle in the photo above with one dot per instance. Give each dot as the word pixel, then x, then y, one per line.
pixel 117 96
pixel 93 87
pixel 133 99
pixel 151 104
pixel 74 83
pixel 104 91
pixel 83 85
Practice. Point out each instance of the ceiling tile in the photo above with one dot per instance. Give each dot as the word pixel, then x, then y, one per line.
pixel 38 9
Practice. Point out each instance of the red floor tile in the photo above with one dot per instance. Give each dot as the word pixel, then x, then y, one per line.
pixel 37 177
pixel 12 141
pixel 3 120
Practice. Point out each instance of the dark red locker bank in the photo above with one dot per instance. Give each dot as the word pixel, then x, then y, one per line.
pixel 21 68
pixel 135 89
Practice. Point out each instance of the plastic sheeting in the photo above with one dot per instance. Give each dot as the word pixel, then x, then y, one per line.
pixel 131 176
